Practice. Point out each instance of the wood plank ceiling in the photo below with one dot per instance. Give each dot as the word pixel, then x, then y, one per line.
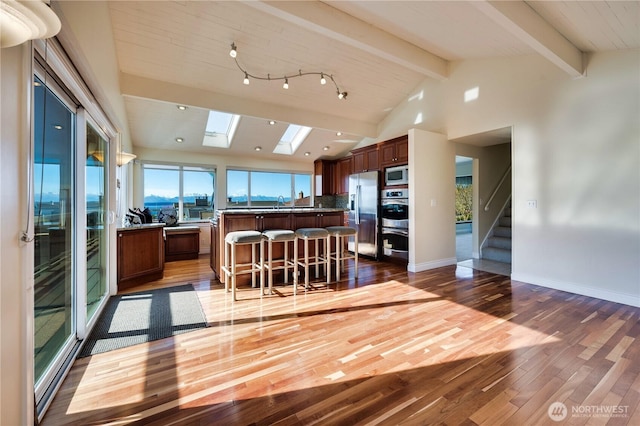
pixel 178 53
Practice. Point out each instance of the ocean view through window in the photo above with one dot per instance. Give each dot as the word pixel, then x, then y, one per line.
pixel 188 189
pixel 247 188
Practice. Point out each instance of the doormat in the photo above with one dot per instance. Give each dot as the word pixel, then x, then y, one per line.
pixel 130 319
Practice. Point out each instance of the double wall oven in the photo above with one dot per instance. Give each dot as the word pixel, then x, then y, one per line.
pixel 395 222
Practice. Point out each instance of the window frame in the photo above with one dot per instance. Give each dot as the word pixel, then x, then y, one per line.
pixel 292 187
pixel 181 168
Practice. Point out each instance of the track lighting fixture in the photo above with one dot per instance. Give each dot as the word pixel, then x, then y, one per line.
pixel 323 75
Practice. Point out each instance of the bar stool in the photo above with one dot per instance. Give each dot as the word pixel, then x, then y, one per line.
pixel 340 254
pixel 231 241
pixel 307 235
pixel 278 236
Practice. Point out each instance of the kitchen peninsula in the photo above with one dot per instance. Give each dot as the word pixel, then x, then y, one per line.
pixel 261 220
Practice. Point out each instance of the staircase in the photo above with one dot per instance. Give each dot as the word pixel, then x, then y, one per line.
pixel 498 245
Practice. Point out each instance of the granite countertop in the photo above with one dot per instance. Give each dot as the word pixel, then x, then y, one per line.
pixel 146 225
pixel 181 228
pixel 281 210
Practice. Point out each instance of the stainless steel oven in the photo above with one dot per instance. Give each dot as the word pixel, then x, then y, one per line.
pixel 395 223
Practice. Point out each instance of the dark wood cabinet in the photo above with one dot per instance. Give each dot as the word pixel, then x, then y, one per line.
pixel 343 170
pixel 181 243
pixel 258 222
pixel 324 177
pixel 264 222
pixel 140 255
pixel 364 159
pixel 316 220
pixel 394 152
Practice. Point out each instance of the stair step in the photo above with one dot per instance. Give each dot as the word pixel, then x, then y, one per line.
pixel 502 231
pixel 505 221
pixel 500 242
pixel 497 254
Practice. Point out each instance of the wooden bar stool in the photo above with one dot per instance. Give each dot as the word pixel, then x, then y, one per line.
pixel 278 236
pixel 317 260
pixel 231 241
pixel 340 254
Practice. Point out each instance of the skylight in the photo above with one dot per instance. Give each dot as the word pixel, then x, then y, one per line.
pixel 220 129
pixel 292 139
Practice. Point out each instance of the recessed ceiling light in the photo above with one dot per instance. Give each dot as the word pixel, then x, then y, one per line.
pixel 306 154
pixel 37 83
pixel 272 122
pixel 258 148
pixel 326 148
pixel 181 107
pixel 338 133
pixel 57 127
pixel 179 140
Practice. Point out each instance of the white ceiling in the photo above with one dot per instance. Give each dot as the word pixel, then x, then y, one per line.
pixel 173 53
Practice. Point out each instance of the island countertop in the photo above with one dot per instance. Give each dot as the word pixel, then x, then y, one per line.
pixel 281 210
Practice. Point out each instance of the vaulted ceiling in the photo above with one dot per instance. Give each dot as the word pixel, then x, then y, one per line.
pixel 177 53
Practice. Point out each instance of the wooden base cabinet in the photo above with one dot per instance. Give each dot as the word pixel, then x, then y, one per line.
pixel 140 255
pixel 182 243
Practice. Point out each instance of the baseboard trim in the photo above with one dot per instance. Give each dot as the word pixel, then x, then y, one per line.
pixel 612 296
pixel 425 266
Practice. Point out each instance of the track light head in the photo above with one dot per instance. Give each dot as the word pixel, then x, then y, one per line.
pixel 323 80
pixel 342 95
pixel 233 52
pixel 246 79
pixel 286 83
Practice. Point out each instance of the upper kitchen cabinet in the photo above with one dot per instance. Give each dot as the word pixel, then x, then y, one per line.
pixel 364 159
pixel 323 171
pixel 394 152
pixel 343 170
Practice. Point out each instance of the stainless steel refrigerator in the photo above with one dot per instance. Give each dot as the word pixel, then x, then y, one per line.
pixel 363 211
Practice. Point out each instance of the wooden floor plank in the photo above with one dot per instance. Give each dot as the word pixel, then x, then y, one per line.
pixel 449 346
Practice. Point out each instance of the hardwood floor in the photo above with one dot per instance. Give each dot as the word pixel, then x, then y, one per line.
pixel 448 346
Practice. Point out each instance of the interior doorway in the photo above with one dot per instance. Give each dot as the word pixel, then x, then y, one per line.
pixel 464 208
pixel 487 158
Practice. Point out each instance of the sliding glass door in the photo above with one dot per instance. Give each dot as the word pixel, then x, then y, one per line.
pixel 54 217
pixel 97 214
pixel 71 222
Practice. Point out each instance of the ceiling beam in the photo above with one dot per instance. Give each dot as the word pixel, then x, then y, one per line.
pixel 337 25
pixel 147 88
pixel 523 22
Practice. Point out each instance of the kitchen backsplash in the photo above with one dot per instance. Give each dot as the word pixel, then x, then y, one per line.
pixel 332 201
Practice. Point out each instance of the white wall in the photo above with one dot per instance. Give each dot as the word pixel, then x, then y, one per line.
pixel 575 150
pixel 432 173
pixel 16 283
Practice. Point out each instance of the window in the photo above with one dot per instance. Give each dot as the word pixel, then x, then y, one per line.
pixel 266 189
pixel 220 129
pixel 190 190
pixel 292 139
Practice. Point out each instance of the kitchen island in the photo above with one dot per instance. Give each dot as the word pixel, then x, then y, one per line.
pixel 261 220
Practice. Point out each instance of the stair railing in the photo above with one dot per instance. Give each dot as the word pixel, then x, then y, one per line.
pixel 495 191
